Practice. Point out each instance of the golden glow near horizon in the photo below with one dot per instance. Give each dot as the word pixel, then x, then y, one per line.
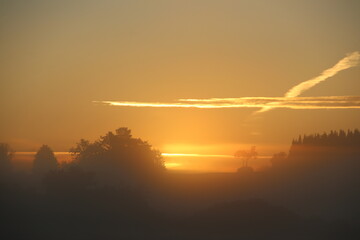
pixel 202 155
pixel 209 162
pixel 194 155
pixel 189 162
pixel 170 165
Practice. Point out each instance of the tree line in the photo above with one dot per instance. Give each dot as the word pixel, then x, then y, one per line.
pixel 333 138
pixel 115 158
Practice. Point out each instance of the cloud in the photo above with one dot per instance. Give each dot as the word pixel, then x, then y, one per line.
pixel 290 100
pixel 328 102
pixel 351 60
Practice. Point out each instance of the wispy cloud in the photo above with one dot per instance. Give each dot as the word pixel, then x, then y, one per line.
pixel 329 102
pixel 290 100
pixel 351 60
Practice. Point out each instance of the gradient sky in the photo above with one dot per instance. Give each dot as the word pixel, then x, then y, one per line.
pixel 57 57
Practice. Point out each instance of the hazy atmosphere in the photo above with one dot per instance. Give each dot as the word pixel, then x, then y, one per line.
pixel 58 57
pixel 182 112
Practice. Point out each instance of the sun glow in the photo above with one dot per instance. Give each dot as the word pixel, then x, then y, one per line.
pixel 172 165
pixel 194 155
pixel 196 162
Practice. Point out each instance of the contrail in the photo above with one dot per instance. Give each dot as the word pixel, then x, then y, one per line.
pixel 290 100
pixel 328 102
pixel 351 60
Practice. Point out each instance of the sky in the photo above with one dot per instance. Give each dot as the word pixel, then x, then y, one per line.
pixel 60 60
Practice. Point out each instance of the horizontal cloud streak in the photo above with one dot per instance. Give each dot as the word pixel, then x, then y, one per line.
pixel 291 96
pixel 274 99
pixel 290 100
pixel 328 102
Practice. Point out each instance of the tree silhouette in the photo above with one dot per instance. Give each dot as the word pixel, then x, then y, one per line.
pixel 119 158
pixel 5 158
pixel 44 161
pixel 246 155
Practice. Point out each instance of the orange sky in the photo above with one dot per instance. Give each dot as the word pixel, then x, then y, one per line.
pixel 58 57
